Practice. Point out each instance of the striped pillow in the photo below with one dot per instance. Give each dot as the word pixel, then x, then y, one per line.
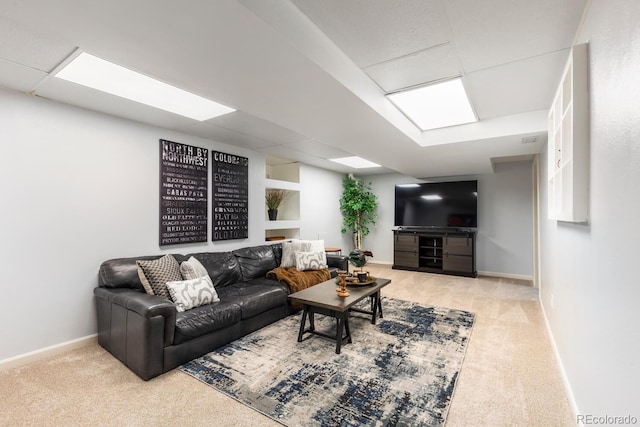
pixel 192 269
pixel 290 248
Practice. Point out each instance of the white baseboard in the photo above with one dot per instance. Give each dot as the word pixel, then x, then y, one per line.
pixel 506 275
pixel 523 277
pixel 380 262
pixel 565 380
pixel 23 359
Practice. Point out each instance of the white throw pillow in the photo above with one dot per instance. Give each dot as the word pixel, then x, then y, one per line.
pixel 290 248
pixel 311 261
pixel 192 269
pixel 188 294
pixel 316 245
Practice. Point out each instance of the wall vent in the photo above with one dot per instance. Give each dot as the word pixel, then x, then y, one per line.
pixel 531 139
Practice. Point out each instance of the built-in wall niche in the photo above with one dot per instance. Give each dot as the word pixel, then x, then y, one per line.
pixel 568 157
pixel 285 175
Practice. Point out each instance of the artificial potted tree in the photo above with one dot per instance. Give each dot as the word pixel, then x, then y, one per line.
pixel 273 198
pixel 358 205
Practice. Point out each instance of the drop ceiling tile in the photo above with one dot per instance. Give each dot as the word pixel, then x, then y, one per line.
pixel 374 31
pixel 500 31
pixel 25 46
pixel 426 66
pixel 516 87
pixel 19 77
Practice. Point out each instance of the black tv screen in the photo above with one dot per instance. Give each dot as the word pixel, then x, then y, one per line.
pixel 437 204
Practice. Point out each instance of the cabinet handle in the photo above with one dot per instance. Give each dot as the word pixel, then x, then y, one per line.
pixel 558 165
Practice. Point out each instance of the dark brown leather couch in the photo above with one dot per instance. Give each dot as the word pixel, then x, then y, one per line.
pixel 148 335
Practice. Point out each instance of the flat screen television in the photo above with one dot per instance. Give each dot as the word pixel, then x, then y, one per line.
pixel 437 204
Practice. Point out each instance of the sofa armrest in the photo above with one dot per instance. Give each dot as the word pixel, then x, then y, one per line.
pixel 135 328
pixel 341 262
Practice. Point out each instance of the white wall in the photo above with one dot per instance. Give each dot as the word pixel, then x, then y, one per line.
pixel 505 218
pixel 320 207
pixel 589 281
pixel 80 187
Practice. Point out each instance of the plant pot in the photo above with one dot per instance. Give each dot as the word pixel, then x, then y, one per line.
pixel 363 276
pixel 273 214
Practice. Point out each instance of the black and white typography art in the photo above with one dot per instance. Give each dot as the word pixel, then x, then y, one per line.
pixel 184 172
pixel 230 177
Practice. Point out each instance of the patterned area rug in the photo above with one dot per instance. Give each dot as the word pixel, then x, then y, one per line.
pixel 401 371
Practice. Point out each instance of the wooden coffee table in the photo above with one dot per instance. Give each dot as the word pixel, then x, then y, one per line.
pixel 323 299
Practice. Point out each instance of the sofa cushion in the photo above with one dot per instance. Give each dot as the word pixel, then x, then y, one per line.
pixel 255 261
pixel 277 252
pixel 223 267
pixel 254 298
pixel 187 294
pixel 205 319
pixel 160 271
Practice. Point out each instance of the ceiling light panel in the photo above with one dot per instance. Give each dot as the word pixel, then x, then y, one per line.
pixel 96 73
pixel 355 162
pixel 436 106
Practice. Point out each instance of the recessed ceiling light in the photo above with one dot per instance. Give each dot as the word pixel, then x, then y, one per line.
pixel 408 185
pixel 96 73
pixel 431 197
pixel 356 162
pixel 435 106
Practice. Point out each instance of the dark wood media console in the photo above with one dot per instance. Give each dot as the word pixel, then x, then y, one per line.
pixel 445 251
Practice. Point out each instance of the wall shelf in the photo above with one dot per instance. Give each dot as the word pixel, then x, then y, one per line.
pixel 283 185
pixel 284 177
pixel 568 156
pixel 281 224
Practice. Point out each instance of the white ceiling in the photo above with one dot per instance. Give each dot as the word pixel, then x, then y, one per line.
pixel 308 77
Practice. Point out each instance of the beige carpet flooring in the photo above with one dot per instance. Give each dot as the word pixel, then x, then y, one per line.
pixel 509 376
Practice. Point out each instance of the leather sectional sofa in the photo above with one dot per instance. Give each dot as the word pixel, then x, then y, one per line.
pixel 148 335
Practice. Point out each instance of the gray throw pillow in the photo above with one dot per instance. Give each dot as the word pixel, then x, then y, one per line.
pixel 158 272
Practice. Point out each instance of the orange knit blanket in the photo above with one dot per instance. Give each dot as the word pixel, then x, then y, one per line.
pixel 298 280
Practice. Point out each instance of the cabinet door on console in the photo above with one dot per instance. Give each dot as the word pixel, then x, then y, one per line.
pixel 459 245
pixel 406 259
pixel 406 242
pixel 459 263
pixel 458 254
pixel 405 253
